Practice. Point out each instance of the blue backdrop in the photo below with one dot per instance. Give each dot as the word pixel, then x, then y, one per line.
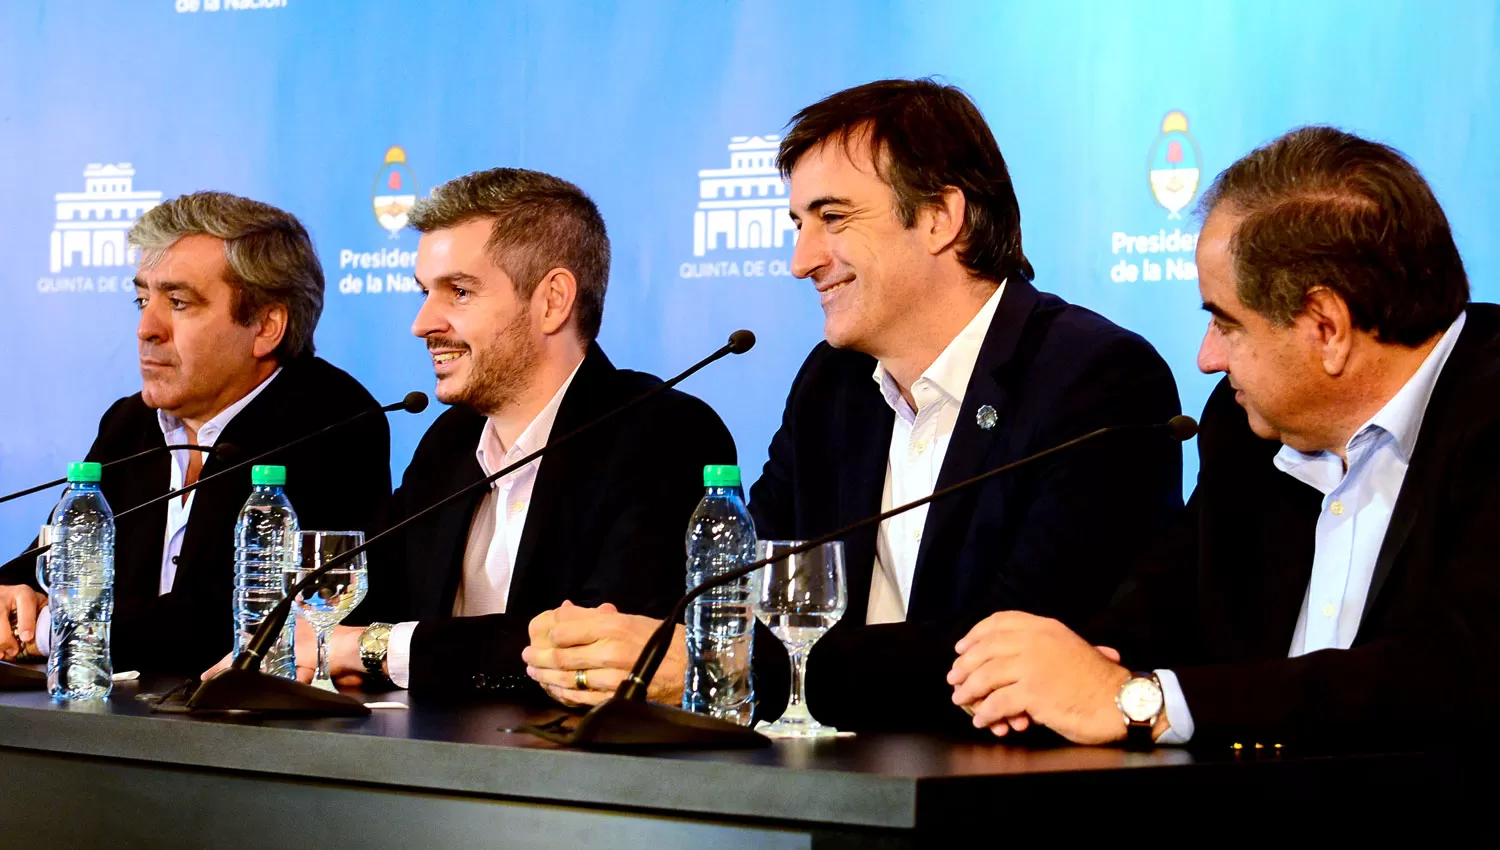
pixel 1111 115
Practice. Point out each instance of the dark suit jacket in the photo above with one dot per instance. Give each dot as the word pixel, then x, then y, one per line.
pixel 607 522
pixel 334 482
pixel 1053 539
pixel 1218 601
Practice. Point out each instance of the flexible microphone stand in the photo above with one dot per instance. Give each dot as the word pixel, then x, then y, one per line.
pixel 17 677
pixel 59 481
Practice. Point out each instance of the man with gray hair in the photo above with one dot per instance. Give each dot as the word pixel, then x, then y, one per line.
pixel 1332 584
pixel 514 264
pixel 229 292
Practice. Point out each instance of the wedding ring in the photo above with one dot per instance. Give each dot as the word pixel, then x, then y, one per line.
pixel 580 680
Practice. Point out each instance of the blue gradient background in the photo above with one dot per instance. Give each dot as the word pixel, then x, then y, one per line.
pixel 297 106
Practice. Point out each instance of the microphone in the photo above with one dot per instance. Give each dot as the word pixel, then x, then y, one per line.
pixel 243 686
pixel 627 719
pixel 157 450
pixel 414 402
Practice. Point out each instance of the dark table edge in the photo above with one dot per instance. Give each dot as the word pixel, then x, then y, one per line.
pixel 552 776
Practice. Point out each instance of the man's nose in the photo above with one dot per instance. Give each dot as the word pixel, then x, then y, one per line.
pixel 151 327
pixel 429 320
pixel 810 252
pixel 1211 353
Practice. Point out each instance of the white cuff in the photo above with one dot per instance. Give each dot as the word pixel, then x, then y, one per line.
pixel 44 630
pixel 398 654
pixel 1179 719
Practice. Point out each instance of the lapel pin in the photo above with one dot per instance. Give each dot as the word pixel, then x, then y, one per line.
pixel 986 417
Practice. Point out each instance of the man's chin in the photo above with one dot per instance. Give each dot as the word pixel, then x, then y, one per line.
pixel 158 398
pixel 1261 427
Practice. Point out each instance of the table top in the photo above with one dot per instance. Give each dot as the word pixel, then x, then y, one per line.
pixel 465 747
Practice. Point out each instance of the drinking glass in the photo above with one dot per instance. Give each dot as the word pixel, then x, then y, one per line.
pixel 799 597
pixel 330 598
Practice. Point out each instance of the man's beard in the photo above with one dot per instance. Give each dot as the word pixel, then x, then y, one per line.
pixel 506 370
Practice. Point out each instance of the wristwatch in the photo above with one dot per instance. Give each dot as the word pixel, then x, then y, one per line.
pixel 374 642
pixel 1140 702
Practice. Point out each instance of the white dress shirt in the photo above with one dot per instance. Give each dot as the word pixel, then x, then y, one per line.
pixel 494 532
pixel 176 434
pixel 1356 510
pixel 919 442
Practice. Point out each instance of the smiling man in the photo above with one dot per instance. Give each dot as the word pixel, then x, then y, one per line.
pixel 229 292
pixel 514 266
pixel 1332 584
pixel 941 361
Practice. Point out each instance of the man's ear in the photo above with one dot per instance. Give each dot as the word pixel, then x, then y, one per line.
pixel 1326 318
pixel 554 299
pixel 269 330
pixel 942 221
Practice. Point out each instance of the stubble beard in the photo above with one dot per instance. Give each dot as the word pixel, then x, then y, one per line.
pixel 506 371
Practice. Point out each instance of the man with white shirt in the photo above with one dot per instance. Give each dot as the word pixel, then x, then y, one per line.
pixel 942 361
pixel 229 291
pixel 1333 583
pixel 514 266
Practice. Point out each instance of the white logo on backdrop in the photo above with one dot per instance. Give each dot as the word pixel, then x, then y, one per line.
pixel 745 204
pixel 91 225
pixel 187 7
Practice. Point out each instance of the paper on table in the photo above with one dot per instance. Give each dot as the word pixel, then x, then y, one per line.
pixel 126 676
pixel 400 705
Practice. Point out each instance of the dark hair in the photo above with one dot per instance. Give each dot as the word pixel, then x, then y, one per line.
pixel 925 137
pixel 1321 207
pixel 541 223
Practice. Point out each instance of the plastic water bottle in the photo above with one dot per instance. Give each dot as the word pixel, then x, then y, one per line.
pixel 720 623
pixel 81 589
pixel 265 550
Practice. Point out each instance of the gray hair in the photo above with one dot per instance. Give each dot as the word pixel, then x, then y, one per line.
pixel 270 256
pixel 541 223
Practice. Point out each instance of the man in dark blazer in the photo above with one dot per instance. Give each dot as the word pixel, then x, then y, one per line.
pixel 230 292
pixel 1332 585
pixel 942 361
pixel 514 265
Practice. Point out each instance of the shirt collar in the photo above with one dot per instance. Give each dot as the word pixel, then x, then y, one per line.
pixel 208 433
pixel 1401 417
pixel 948 376
pixel 537 432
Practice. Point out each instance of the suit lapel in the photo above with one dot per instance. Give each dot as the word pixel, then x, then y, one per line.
pixel 971 446
pixel 450 540
pixel 556 480
pixel 1441 432
pixel 144 536
pixel 861 442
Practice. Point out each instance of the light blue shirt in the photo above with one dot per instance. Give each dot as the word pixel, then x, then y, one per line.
pixel 1356 511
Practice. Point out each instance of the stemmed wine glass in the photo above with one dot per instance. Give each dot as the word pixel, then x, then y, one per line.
pixel 330 598
pixel 798 598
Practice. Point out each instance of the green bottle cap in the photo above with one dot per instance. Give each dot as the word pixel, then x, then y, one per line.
pixel 721 476
pixel 84 473
pixel 268 476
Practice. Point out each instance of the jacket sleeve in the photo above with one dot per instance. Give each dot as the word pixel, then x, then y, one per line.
pixel 1432 679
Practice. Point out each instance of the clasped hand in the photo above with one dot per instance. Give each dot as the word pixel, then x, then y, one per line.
pixel 1014 669
pixel 604 644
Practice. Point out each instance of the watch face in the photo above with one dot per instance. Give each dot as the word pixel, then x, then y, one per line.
pixel 1140 699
